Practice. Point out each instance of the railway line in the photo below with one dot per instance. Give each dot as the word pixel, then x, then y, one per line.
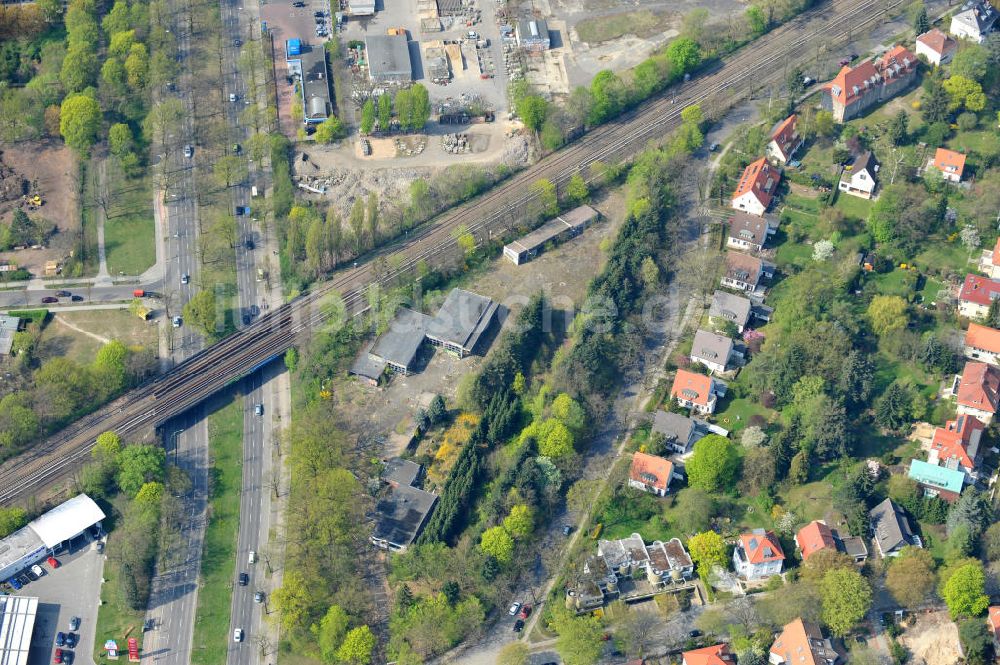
pixel 211 369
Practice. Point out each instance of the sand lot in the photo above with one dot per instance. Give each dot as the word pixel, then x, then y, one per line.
pixel 932 640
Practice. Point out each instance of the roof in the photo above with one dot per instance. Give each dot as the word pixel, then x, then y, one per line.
pixel 361 7
pixel 400 343
pixel 993 618
pixel 938 477
pixel 951 442
pixel 618 553
pixel 983 337
pixel 315 83
pixel 696 388
pixel 863 162
pixel 731 307
pixel 532 29
pixel 651 470
pixel 388 55
pixel 677 556
pixel 760 546
pixel 814 537
pixel 67 520
pixel 576 218
pixel 710 346
pixel 852 83
pixel 949 161
pixel 462 319
pixel 979 387
pixel 743 267
pixel 8 326
pixel 802 643
pixel 761 179
pixel 749 228
pixel 890 526
pixel 401 514
pixel 674 426
pixel 784 136
pixel 979 290
pixel 937 41
pixel 401 471
pixel 368 367
pixel 978 15
pixel 17 623
pixel 996 253
pixel 714 655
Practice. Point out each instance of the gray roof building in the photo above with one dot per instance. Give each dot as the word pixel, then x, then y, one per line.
pixel 316 105
pixel 712 349
pixel 463 319
pixel 8 326
pixel 730 307
pixel 389 58
pixel 361 7
pixel 680 431
pixel 533 34
pixel 891 529
pixel 399 471
pixel 974 20
pixel 399 345
pixel 401 514
pixel 748 230
pixel 569 224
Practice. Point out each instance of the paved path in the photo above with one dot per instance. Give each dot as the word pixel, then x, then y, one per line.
pixel 103 276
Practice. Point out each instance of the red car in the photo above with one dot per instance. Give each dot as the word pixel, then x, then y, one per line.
pixel 58 658
pixel 54 562
pixel 525 612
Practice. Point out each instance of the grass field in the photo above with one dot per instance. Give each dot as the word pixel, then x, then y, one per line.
pixel 734 414
pixel 853 207
pixel 129 236
pixel 218 561
pixel 114 619
pixel 642 23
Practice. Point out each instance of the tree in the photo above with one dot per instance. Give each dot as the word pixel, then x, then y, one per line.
pixel 576 189
pixel 368 116
pixel 898 128
pixel 404 108
pixel 497 543
pixel 109 366
pixel 514 653
pixel 138 465
pixel 991 542
pixel 685 54
pixel 823 123
pixel 911 576
pixel 106 448
pixel 520 522
pixel 894 409
pixel 545 190
pixel 357 221
pixel 137 66
pixel 964 93
pixel 759 472
pixel 707 550
pixel 230 170
pixel 580 639
pixel 205 312
pixel 608 93
pixel 11 519
pixel 532 109
pixel 695 509
pixel 330 633
pixel 971 61
pixel 555 440
pixel 887 314
pixel 371 217
pixel 963 591
pixel 822 250
pixel 384 112
pixel 79 122
pixel 847 597
pixel 977 644
pixel 921 23
pixel 713 464
pixel 120 139
pixel 757 20
pixel 330 130
pixel 973 511
pixel 815 568
pixel 358 646
pixel 421 107
pixel 934 103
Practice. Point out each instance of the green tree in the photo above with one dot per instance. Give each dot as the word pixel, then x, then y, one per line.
pixel 520 522
pixel 898 128
pixel 330 130
pixel 921 23
pixel 106 448
pixel 292 601
pixel 421 109
pixel 79 122
pixel 404 108
pixel 894 409
pixel 205 312
pixel 963 591
pixel 685 54
pixel 545 190
pixel 138 465
pixel 120 139
pixel 823 123
pixel 694 509
pixel 137 66
pixel 757 20
pixel 608 94
pixel 384 112
pixel 713 464
pixel 972 61
pixel 577 190
pixel 934 103
pixel 357 647
pixel 110 366
pixel 555 439
pixel 964 93
pixel 12 518
pixel 330 633
pixel 368 116
pixel 532 109
pixel 497 543
pixel 580 639
pixel 887 314
pixel 911 576
pixel 230 170
pixel 150 496
pixel 847 596
pixel 116 20
pixel 977 644
pixel 973 511
pixel 707 550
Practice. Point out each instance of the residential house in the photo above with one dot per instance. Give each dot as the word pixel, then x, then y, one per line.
pixel 993 623
pixel 679 431
pixel 730 307
pixel 979 391
pixel 758 555
pixel 936 46
pixel 748 232
pixel 989 262
pixel 890 529
pixel 745 272
pixel 802 643
pixel 951 164
pixel 856 89
pixel 697 391
pixel 982 343
pixel 977 294
pixel 858 178
pixel 956 445
pixel 714 655
pixel 757 187
pixel 650 473
pixel 976 19
pixel 939 481
pixel 785 140
pixel 714 351
pixel 817 536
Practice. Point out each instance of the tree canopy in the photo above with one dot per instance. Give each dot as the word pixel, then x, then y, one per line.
pixel 714 463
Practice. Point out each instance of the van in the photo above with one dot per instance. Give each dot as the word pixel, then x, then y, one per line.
pixel 252 558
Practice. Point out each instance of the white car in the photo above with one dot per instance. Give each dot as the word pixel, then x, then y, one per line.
pixel 238 635
pixel 178 322
pixel 185 278
pixel 232 97
pixel 514 608
pixel 37 570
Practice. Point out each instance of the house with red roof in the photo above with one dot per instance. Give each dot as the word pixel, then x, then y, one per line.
pixel 993 624
pixel 801 643
pixel 746 272
pixel 785 140
pixel 977 294
pixel 714 655
pixel 936 46
pixel 758 555
pixel 978 391
pixel 982 343
pixel 951 164
pixel 650 473
pixel 757 187
pixel 855 89
pixel 817 536
pixel 697 391
pixel 956 445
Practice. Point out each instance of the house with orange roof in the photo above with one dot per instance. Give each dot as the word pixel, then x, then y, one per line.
pixel 650 473
pixel 856 89
pixel 697 391
pixel 817 536
pixel 978 391
pixel 785 140
pixel 757 187
pixel 976 296
pixel 802 643
pixel 758 555
pixel 982 343
pixel 956 445
pixel 936 46
pixel 714 655
pixel 951 164
pixel 993 624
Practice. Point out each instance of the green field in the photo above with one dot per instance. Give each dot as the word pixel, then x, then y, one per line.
pixel 129 234
pixel 853 207
pixel 642 23
pixel 114 619
pixel 218 560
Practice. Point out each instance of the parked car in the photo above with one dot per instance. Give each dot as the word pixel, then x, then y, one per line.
pixel 567 529
pixel 238 635
pixel 237 43
pixel 74 623
pixel 52 561
pixel 258 597
pixel 63 294
pixel 188 151
pixel 319 14
pixel 72 640
pixel 48 300
pixel 252 557
pixel 60 639
pixel 514 607
pixel 100 547
pixel 177 322
pixel 232 96
pixel 185 278
pixel 525 612
pixel 37 570
pixel 518 626
pixel 694 633
pixel 244 579
pixel 31 575
pixel 57 657
pixel 237 148
pixel 67 657
pixel 249 244
pixel 14 583
pixel 298 3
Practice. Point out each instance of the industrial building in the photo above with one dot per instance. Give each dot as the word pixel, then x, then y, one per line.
pixel 309 64
pixel 403 510
pixel 533 35
pixel 361 7
pixel 464 318
pixel 389 59
pixel 8 326
pixel 564 226
pixel 17 623
pixel 48 533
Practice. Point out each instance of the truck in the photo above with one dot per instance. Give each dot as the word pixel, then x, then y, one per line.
pixel 139 293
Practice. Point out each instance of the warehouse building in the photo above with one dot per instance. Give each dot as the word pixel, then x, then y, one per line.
pixel 462 321
pixel 361 7
pixel 533 35
pixel 8 326
pixel 389 59
pixel 562 227
pixel 309 65
pixel 17 623
pixel 47 534
pixel 403 510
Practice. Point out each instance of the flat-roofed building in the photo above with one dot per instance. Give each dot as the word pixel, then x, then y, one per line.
pixel 17 623
pixel 309 63
pixel 8 326
pixel 49 532
pixel 403 509
pixel 533 35
pixel 464 318
pixel 568 225
pixel 399 345
pixel 389 58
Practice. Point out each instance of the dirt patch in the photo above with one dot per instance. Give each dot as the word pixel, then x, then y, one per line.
pixel 932 640
pixel 51 171
pixel 642 23
pixel 381 149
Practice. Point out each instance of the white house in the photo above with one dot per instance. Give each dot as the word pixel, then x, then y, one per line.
pixel 714 351
pixel 785 140
pixel 748 233
pixel 758 555
pixel 858 178
pixel 650 473
pixel 757 187
pixel 697 391
pixel 936 46
pixel 974 21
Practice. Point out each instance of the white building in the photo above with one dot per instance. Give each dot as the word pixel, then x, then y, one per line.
pixel 936 46
pixel 858 179
pixel 974 21
pixel 17 623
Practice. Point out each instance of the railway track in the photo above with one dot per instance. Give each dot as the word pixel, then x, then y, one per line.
pixel 753 67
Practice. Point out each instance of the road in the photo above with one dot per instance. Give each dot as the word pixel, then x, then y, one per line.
pixel 495 212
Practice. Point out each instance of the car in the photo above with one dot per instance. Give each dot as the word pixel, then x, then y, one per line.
pixel 148 625
pixel 76 298
pixel 237 148
pixel 244 579
pixel 514 607
pixel 37 570
pixel 237 43
pixel 518 626
pixel 319 14
pixel 63 294
pixel 254 310
pixel 60 639
pixel 72 640
pixel 30 574
pixel 74 623
pixel 567 529
pixel 232 96
pixel 100 547
pixel 14 583
pixel 252 557
pixel 713 147
pixel 177 322
pixel 189 151
pixel 239 211
pixel 694 633
pixel 525 612
pixel 249 244
pixel 238 635
pixel 298 3
pixel 57 657
pixel 259 409
pixel 258 597
pixel 246 319
pixel 49 300
pixel 185 278
pixel 52 561
pixel 67 657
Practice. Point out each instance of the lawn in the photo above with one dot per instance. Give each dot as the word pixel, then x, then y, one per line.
pixel 899 282
pixel 218 560
pixel 983 142
pixel 88 218
pixel 735 414
pixel 853 207
pixel 810 501
pixel 129 234
pixel 642 23
pixel 941 254
pixel 114 619
pixel 796 254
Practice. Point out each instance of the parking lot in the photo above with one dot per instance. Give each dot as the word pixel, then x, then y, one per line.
pixel 71 590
